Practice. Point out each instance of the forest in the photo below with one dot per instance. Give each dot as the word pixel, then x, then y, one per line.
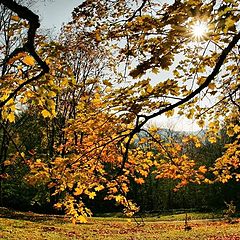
pixel 78 110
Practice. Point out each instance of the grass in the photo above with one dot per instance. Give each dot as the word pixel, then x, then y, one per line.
pixel 18 225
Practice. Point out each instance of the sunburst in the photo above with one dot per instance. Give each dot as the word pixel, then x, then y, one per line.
pixel 199 30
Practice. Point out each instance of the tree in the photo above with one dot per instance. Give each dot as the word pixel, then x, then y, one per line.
pixel 140 38
pixel 151 36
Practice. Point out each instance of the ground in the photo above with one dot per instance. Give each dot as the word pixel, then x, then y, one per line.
pixel 28 225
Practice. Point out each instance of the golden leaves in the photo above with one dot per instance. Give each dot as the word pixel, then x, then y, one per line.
pixel 91 195
pixel 212 139
pixel 15 18
pixel 212 86
pixel 78 191
pixel 139 180
pixel 8 111
pixel 11 117
pixel 169 113
pixel 46 113
pixel 58 205
pixel 82 219
pixel 95 135
pixel 7 163
pixel 202 169
pixel 155 70
pixel 29 60
pixel 119 198
pixel 229 23
pixel 98 35
pixel 201 123
pixel 99 188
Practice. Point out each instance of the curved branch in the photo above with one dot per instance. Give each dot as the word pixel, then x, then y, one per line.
pixel 34 24
pixel 33 20
pixel 14 92
pixel 208 80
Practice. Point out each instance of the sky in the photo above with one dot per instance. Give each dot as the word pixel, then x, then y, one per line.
pixel 53 13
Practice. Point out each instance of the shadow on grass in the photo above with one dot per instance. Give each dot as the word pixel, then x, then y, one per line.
pixel 30 216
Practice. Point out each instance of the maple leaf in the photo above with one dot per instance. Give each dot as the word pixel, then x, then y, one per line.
pixel 46 113
pixel 119 198
pixel 29 60
pixel 15 18
pixel 212 86
pixel 78 191
pixel 139 180
pixel 202 169
pixel 92 195
pixel 82 219
pixel 99 188
pixel 11 117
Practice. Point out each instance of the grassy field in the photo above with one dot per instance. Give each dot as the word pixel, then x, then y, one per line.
pixel 17 225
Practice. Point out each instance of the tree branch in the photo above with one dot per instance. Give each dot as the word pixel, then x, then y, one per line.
pixel 34 24
pixel 208 80
pixel 138 10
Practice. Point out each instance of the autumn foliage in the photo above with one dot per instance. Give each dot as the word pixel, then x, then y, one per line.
pixel 99 85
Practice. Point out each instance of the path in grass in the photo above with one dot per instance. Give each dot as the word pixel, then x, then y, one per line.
pixel 16 225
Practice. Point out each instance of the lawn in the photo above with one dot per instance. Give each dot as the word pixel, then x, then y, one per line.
pixel 17 225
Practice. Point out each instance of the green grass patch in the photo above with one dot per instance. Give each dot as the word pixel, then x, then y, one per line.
pixel 165 217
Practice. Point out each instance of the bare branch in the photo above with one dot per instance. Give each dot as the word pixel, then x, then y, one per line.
pixel 138 10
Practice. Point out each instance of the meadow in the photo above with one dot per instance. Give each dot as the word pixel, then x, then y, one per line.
pixel 28 225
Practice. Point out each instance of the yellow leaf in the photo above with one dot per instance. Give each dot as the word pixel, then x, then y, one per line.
pixel 108 89
pixel 78 191
pixel 15 18
pixel 212 140
pixel 149 88
pixel 155 70
pixel 197 144
pixel 92 195
pixel 236 128
pixel 82 219
pixel 201 123
pixel 11 117
pixel 212 86
pixel 201 80
pixel 52 94
pixel 98 36
pixel 118 198
pixel 6 163
pixel 212 125
pixel 139 180
pixel 202 169
pixel 99 188
pixel 229 22
pixel 64 82
pixel 149 154
pixel 190 113
pixel 107 83
pixel 230 132
pixel 169 113
pixel 58 205
pixel 46 113
pixel 73 221
pixel 29 60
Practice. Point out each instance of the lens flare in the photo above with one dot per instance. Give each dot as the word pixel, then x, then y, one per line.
pixel 199 30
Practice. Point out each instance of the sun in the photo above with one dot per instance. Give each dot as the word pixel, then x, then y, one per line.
pixel 199 30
